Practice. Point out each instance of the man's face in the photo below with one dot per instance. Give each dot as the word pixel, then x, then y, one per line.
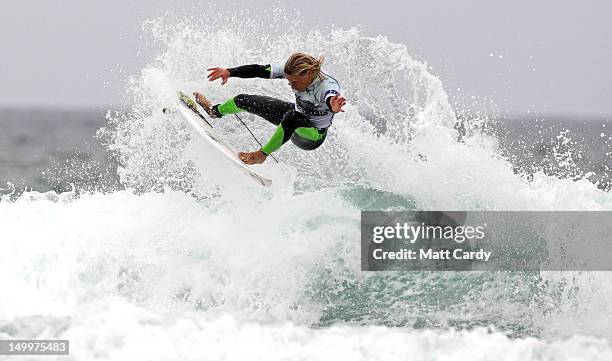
pixel 301 82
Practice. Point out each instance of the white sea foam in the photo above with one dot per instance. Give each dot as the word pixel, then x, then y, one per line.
pixel 192 260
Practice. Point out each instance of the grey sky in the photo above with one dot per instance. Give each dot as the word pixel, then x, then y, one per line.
pixel 547 56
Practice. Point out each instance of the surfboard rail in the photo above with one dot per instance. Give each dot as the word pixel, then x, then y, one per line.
pixel 188 109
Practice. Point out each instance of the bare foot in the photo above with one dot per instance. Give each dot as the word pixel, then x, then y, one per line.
pixel 205 103
pixel 256 157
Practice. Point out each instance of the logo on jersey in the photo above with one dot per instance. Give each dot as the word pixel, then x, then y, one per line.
pixel 308 108
pixel 331 91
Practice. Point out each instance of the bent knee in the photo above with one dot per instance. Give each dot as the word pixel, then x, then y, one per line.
pixel 293 117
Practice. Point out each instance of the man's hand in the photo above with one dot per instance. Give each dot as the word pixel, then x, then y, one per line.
pixel 337 102
pixel 216 73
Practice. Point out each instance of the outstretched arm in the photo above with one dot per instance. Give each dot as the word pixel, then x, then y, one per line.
pixel 251 71
pixel 244 71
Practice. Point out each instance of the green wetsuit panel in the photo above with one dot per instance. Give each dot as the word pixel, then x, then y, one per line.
pixel 229 107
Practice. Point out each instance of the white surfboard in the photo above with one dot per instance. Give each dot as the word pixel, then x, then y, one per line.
pixel 189 111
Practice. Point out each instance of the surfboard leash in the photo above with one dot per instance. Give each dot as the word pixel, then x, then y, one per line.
pixel 192 105
pixel 253 135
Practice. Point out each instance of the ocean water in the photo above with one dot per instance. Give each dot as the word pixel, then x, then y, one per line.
pixel 123 234
pixel 54 150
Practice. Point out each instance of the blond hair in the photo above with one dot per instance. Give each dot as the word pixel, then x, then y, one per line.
pixel 300 63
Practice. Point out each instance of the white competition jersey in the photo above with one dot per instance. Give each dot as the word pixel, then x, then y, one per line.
pixel 313 101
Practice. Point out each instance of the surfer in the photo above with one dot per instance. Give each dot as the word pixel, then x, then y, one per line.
pixel 317 99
